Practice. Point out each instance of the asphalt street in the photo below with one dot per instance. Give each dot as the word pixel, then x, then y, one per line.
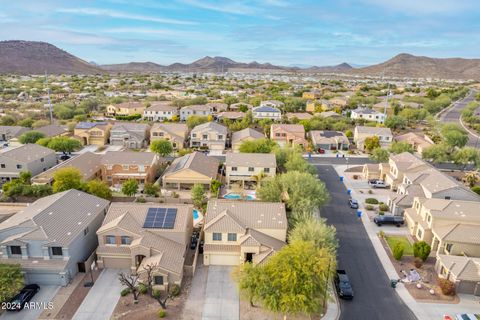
pixel 453 115
pixel 374 298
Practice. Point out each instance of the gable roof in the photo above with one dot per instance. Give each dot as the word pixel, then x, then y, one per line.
pixel 161 106
pixel 52 130
pixel 196 161
pixel 129 126
pixel 129 157
pixel 381 131
pixel 463 268
pixel 15 131
pixel 248 132
pixel 90 125
pixel 130 105
pixel 177 129
pixel 263 160
pixel 211 126
pixel 464 233
pixel 266 109
pixel 27 153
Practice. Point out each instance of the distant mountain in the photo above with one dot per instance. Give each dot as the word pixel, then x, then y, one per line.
pixel 32 57
pixel 407 65
pixel 136 67
pixel 343 67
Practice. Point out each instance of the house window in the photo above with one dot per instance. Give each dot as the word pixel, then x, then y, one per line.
pixel 448 247
pixel 232 237
pixel 429 218
pixel 85 231
pixel 42 159
pixel 19 166
pixel 266 170
pixel 109 167
pixel 125 166
pixel 2 165
pixel 15 250
pixel 217 236
pixel 155 134
pixel 234 168
pixel 251 169
pixel 220 136
pixel 158 280
pixel 194 135
pixel 160 134
pixel 141 168
pixel 447 198
pixel 57 251
pixel 205 136
pixel 419 234
pixel 110 240
pixel 126 240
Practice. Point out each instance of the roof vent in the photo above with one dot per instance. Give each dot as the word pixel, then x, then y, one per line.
pixel 98 204
pixel 89 214
pixel 50 213
pixel 80 223
pixel 69 233
pixel 35 261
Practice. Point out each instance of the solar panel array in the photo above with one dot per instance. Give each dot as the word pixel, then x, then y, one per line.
pixel 160 218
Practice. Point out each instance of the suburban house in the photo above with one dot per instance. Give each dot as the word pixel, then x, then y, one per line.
pixel 272 103
pixel 231 115
pixel 53 237
pixel 176 133
pixel 190 169
pixel 288 134
pixel 8 133
pixel 120 166
pixel 368 115
pixel 29 157
pixel 96 133
pixel 87 163
pixel 217 107
pixel 243 231
pixel 384 135
pixel 418 142
pixel 129 135
pixel 249 168
pixel 160 111
pixel 267 112
pixel 329 140
pixel 137 235
pixel 311 106
pixel 125 109
pixel 339 101
pixel 209 135
pixel 241 136
pixel 329 114
pixel 299 116
pixel 312 95
pixel 202 110
pixel 53 130
pixel 464 271
pixel 240 105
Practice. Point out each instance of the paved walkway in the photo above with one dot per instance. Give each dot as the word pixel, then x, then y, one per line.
pixel 221 296
pixel 102 298
pixel 195 300
pixel 422 310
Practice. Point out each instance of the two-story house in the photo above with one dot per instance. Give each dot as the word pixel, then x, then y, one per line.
pixel 368 115
pixel 96 133
pixel 10 134
pixel 53 130
pixel 210 135
pixel 125 109
pixel 176 133
pixel 329 140
pixel 248 134
pixel 202 110
pixel 137 235
pixel 288 134
pixel 249 168
pixel 120 166
pixel 160 111
pixel 419 143
pixel 129 135
pixel 243 231
pixel 361 133
pixel 52 236
pixel 29 157
pixel 267 112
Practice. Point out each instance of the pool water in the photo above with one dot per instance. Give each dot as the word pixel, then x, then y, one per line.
pixel 195 214
pixel 236 196
pixel 250 197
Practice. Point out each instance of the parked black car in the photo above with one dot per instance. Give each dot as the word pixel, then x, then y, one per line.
pixel 193 242
pixel 342 285
pixel 353 203
pixel 18 302
pixel 396 220
pixel 200 249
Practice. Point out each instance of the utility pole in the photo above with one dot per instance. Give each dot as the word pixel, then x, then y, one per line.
pixel 49 100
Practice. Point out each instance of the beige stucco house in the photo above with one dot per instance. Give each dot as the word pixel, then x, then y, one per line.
pixel 384 135
pixel 241 231
pixel 210 135
pixel 96 133
pixel 249 168
pixel 176 133
pixel 241 136
pixel 288 134
pixel 125 109
pixel 419 143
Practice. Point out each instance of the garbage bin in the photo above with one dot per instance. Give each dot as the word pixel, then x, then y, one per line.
pixel 349 191
pixel 359 213
pixel 393 283
pixel 341 178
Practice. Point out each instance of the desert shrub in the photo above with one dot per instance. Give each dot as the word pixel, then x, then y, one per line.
pixel 398 251
pixel 125 292
pixel 371 201
pixel 142 288
pixel 175 290
pixel 383 207
pixel 447 287
pixel 476 189
pixel 162 313
pixel 156 293
pixel 418 263
pixel 369 207
pixel 141 200
pixel 421 250
pixel 381 213
pixel 370 191
pixel 381 234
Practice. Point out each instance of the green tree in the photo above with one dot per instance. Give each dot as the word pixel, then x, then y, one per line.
pixel 64 144
pixel 454 136
pixel 395 122
pixel 11 280
pixel 421 250
pixel 162 147
pixel 40 123
pixel 130 187
pixel 398 251
pixel 372 143
pixel 400 147
pixel 295 162
pixel 43 142
pixel 25 177
pixel 7 120
pixel 31 137
pixel 466 155
pixel 98 188
pixel 257 146
pixel 198 195
pixel 215 187
pixel 437 153
pixel 379 155
pixel 27 122
pixel 151 189
pixel 67 178
pixel 316 231
pixel 194 121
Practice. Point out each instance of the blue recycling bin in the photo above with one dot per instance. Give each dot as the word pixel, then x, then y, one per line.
pixel 336 155
pixel 349 191
pixel 309 155
pixel 359 213
pixel 341 178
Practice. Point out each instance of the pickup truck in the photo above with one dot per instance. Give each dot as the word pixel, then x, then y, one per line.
pixel 378 184
pixel 342 285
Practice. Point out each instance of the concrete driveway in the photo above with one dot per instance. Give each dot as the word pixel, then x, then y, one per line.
pixel 43 297
pixel 221 295
pixel 102 297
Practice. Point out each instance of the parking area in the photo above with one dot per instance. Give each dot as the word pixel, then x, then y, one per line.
pixel 42 298
pixel 102 297
pixel 221 295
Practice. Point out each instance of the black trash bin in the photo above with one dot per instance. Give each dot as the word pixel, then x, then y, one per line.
pixel 393 283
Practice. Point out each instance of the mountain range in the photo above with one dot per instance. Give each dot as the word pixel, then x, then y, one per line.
pixel 32 57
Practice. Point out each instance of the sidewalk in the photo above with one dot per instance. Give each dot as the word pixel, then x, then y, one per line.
pixel 422 310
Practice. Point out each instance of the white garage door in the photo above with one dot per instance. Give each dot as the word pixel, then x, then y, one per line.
pixel 224 260
pixel 117 263
pixel 51 279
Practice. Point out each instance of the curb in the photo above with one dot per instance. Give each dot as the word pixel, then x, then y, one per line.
pixel 467 129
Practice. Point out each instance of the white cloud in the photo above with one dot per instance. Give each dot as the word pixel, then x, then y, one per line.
pixel 420 7
pixel 228 7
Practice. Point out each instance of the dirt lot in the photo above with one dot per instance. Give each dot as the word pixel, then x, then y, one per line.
pixel 258 313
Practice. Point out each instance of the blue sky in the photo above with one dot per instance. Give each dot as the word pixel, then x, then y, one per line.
pixel 277 31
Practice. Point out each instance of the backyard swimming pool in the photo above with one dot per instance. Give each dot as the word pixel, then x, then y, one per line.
pixel 236 196
pixel 195 214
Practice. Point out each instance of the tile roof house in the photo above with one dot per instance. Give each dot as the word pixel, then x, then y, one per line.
pixel 368 115
pixel 299 115
pixel 288 134
pixel 241 136
pixel 249 168
pixel 53 130
pixel 240 231
pixel 29 157
pixel 231 115
pixel 195 110
pixel 160 111
pixel 464 271
pixel 137 235
pixel 96 133
pixel 361 133
pixel 418 142
pixel 329 140
pixel 125 109
pixel 176 133
pixel 190 169
pixel 210 135
pixel 51 236
pixel 10 132
pixel 267 112
pixel 129 135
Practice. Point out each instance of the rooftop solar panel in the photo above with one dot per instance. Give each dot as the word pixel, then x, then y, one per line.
pixel 160 218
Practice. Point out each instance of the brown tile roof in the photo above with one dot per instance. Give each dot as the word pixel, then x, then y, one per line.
pixel 130 105
pixel 463 268
pixel 195 161
pixel 161 106
pixel 245 133
pixel 27 153
pixel 464 233
pixel 178 129
pixel 262 160
pixel 221 248
pixel 129 157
